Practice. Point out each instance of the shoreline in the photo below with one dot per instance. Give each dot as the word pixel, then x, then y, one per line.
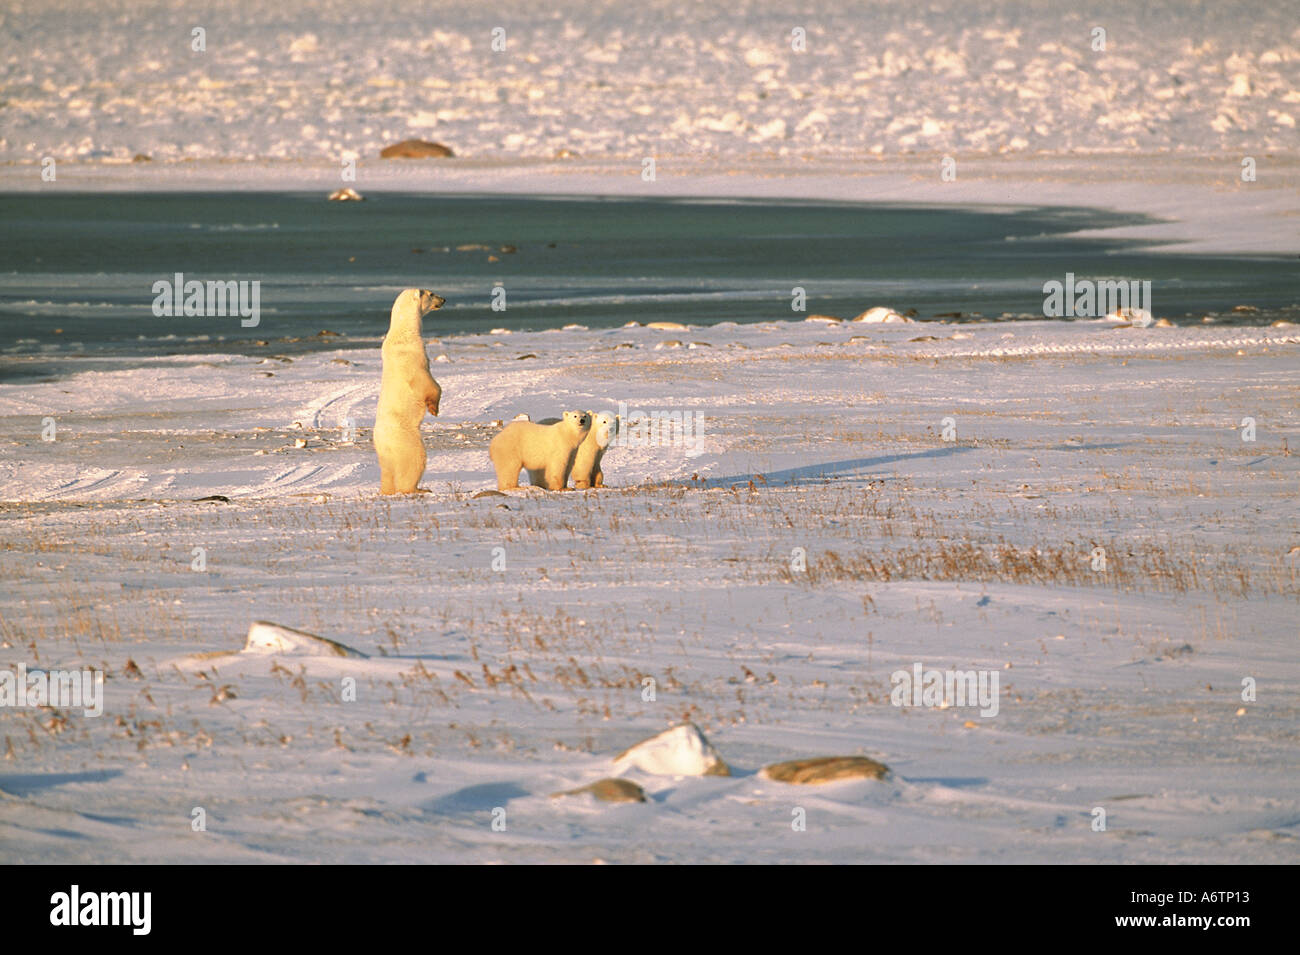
pixel 995 335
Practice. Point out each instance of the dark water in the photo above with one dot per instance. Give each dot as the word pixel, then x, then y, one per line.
pixel 86 264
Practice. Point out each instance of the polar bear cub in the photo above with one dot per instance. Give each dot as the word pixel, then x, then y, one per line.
pixel 586 463
pixel 406 391
pixel 545 451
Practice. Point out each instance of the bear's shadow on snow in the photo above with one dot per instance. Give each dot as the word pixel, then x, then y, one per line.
pixel 27 783
pixel 816 473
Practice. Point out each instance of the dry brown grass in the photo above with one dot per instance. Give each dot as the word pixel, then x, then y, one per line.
pixel 1143 568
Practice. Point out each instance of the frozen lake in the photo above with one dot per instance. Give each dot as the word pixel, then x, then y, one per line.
pixel 85 264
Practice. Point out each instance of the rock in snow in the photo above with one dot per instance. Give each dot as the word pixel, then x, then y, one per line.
pixel 608 790
pixel 1139 317
pixel 416 149
pixel 680 751
pixel 824 769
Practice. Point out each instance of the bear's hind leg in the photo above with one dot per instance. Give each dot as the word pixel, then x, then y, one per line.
pixel 507 476
pixel 387 481
pixel 410 469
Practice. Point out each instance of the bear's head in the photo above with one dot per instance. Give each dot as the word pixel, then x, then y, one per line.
pixel 430 301
pixel 580 421
pixel 408 308
pixel 605 426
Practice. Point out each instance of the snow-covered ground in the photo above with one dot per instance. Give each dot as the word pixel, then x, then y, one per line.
pixel 509 638
pixel 113 78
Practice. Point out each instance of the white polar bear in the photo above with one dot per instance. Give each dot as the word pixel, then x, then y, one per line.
pixel 545 451
pixel 406 391
pixel 586 463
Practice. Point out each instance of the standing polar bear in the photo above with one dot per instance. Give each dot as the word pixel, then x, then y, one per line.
pixel 586 463
pixel 406 391
pixel 545 451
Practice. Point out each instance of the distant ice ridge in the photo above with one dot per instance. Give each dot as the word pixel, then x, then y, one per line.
pixel 343 78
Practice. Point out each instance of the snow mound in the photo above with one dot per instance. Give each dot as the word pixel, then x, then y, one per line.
pixel 680 751
pixel 264 637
